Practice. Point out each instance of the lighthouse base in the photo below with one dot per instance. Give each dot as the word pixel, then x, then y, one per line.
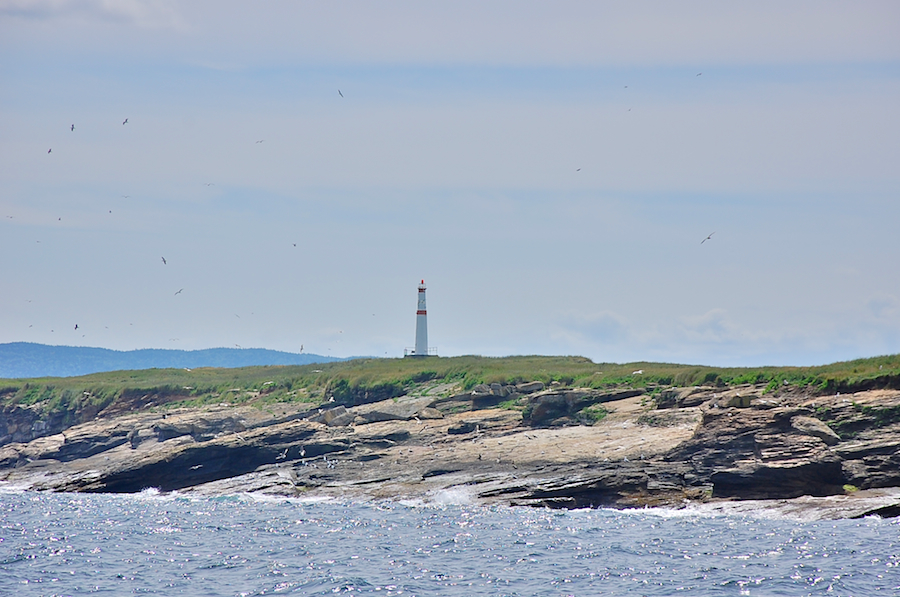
pixel 410 353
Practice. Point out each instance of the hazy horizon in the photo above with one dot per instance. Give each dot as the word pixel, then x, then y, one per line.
pixel 549 169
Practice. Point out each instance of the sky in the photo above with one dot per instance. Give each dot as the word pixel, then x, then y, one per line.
pixel 692 182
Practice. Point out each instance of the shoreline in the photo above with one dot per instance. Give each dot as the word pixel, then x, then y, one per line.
pixel 687 448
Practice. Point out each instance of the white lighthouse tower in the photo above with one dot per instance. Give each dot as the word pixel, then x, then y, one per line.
pixel 421 349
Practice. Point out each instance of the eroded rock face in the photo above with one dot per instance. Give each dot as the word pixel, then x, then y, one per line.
pixel 556 408
pixel 787 446
pixel 750 453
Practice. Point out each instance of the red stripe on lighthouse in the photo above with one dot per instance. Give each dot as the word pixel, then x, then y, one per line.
pixel 421 312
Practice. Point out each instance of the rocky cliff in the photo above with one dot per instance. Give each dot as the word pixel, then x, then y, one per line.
pixel 518 444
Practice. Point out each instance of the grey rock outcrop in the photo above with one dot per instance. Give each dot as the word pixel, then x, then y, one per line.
pixel 555 408
pixel 398 409
pixel 815 428
pixel 781 446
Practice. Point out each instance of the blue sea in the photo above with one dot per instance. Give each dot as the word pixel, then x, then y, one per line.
pixel 153 544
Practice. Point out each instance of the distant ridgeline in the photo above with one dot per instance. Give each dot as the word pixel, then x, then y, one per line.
pixel 26 359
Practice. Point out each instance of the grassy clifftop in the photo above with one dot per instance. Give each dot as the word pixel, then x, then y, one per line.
pixel 367 380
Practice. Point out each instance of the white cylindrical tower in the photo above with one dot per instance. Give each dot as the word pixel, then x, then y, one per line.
pixel 421 325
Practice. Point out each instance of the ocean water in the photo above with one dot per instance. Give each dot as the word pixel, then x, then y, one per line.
pixel 152 544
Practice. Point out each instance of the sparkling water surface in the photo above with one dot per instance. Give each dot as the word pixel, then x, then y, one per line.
pixel 78 544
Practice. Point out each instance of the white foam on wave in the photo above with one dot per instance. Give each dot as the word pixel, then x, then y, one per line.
pixel 459 495
pixel 8 488
pixel 268 498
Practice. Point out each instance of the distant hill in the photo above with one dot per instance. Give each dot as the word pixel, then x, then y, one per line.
pixel 26 359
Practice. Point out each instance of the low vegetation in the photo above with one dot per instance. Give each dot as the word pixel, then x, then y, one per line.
pixel 367 380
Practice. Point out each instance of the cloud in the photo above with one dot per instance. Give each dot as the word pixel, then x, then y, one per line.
pixel 150 14
pixel 884 308
pixel 597 328
pixel 712 327
pixel 567 33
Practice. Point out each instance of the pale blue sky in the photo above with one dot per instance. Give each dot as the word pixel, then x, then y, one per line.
pixel 454 156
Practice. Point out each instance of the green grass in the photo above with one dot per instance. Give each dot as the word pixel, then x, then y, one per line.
pixel 367 380
pixel 592 414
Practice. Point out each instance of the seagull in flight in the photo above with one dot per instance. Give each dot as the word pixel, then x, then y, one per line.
pixel 698 74
pixel 577 169
pixel 73 127
pixel 49 150
pixel 164 260
pixel 340 94
pixel 76 326
pixel 707 238
pixel 179 292
pixel 261 141
pixel 125 121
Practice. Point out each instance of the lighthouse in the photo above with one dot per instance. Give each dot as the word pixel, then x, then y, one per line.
pixel 421 324
pixel 421 349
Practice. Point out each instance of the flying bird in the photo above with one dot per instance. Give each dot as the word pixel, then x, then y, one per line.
pixel 707 238
pixel 261 141
pixel 126 196
pixel 698 74
pixel 577 169
pixel 76 326
pixel 179 292
pixel 164 260
pixel 73 127
pixel 125 121
pixel 340 94
pixel 295 244
pixel 49 150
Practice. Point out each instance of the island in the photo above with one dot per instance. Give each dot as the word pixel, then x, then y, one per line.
pixel 558 432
